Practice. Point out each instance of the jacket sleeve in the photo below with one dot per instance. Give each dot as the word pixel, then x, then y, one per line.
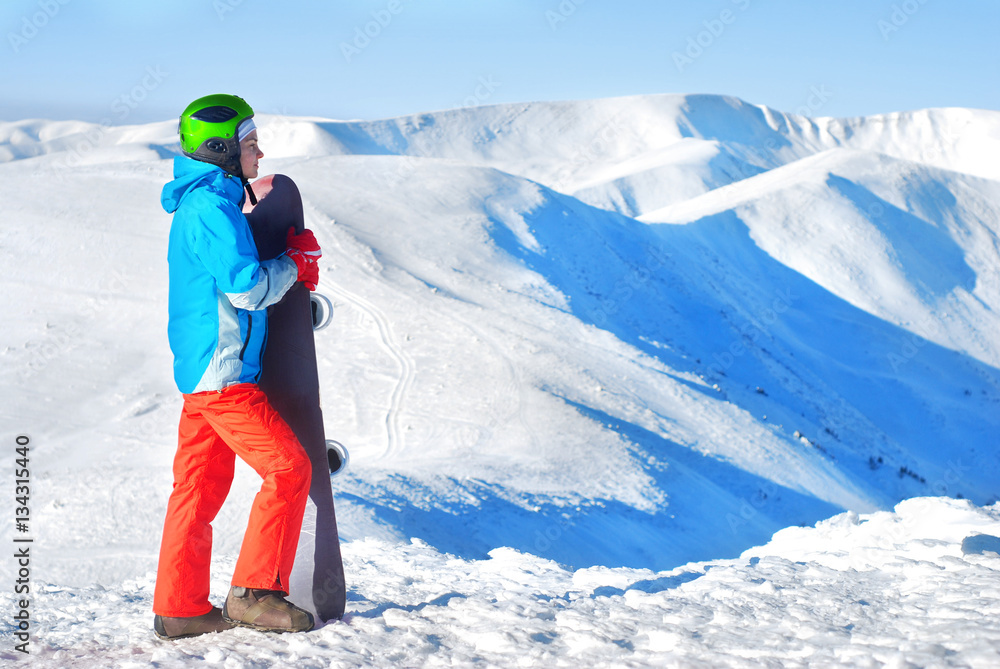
pixel 225 245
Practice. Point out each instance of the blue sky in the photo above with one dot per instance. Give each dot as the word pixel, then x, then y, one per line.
pixel 133 62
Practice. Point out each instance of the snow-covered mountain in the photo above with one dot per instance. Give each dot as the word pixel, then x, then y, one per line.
pixel 624 333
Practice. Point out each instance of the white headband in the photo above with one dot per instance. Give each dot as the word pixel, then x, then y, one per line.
pixel 245 128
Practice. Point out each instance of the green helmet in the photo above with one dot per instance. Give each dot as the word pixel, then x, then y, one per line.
pixel 211 128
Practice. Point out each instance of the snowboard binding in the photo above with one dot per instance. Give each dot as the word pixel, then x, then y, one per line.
pixel 337 456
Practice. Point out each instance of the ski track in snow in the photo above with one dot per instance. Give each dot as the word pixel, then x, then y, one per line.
pixel 394 436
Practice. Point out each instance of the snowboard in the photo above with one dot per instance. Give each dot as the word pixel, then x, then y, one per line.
pixel 290 379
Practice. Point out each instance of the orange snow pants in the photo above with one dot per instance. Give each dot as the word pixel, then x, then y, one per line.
pixel 215 427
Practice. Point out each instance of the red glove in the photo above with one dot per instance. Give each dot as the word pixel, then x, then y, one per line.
pixel 304 250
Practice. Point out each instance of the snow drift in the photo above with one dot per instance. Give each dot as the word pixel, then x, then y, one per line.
pixel 913 587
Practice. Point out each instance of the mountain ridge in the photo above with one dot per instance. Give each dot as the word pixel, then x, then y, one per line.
pixel 516 356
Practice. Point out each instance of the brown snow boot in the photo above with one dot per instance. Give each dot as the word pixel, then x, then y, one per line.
pixel 181 628
pixel 265 610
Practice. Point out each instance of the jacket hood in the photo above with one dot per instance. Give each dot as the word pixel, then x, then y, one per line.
pixel 190 174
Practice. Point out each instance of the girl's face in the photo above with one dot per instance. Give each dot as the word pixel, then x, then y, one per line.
pixel 250 153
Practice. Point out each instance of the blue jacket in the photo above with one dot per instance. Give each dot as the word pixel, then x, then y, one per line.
pixel 219 288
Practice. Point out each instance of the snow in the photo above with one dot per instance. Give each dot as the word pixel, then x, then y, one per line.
pixel 893 588
pixel 649 381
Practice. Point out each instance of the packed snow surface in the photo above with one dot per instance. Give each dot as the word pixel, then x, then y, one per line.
pixel 585 356
pixel 919 586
